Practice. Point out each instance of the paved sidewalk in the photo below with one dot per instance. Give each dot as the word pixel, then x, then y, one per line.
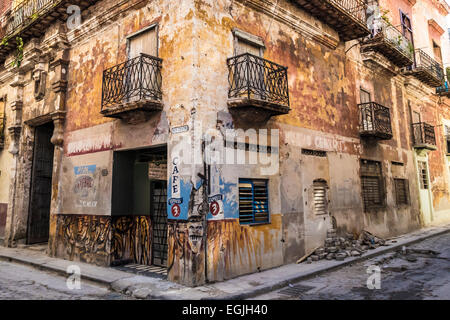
pixel 243 287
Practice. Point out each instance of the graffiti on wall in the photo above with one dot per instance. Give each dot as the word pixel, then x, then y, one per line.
pixel 131 239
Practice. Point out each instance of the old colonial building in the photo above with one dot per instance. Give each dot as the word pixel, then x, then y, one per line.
pixel 214 138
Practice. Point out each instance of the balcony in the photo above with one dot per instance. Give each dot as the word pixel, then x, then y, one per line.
pixel 347 17
pixel 258 88
pixel 426 69
pixel 375 121
pixel 31 18
pixel 132 89
pixel 424 136
pixel 391 43
pixel 444 90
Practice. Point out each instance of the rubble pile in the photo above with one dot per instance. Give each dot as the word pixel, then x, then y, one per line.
pixel 339 248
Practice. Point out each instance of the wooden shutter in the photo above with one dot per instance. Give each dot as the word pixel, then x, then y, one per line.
pixel 401 191
pixel 247 47
pixel 253 201
pixel 320 197
pixel 145 42
pixel 371 182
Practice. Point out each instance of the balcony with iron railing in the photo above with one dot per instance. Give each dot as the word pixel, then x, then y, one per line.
pixel 444 90
pixel 390 42
pixel 257 85
pixel 31 18
pixel 374 121
pixel 426 69
pixel 424 136
pixel 132 88
pixel 347 17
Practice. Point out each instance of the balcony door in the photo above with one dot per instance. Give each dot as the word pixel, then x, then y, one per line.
pixel 139 72
pixel 366 113
pixel 425 196
pixel 251 72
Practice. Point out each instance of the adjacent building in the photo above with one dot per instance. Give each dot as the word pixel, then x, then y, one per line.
pixel 217 138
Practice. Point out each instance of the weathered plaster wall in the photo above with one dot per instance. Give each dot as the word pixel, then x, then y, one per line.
pixel 324 92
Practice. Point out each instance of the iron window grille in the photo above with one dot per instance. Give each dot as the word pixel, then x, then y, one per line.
pixel 134 80
pixel 401 191
pixel 423 175
pixel 253 77
pixel 253 201
pixel 372 185
pixel 424 134
pixel 375 119
pixel 447 139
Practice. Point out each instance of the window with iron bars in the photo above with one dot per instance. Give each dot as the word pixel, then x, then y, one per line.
pixel 372 184
pixel 447 139
pixel 401 191
pixel 423 174
pixel 253 201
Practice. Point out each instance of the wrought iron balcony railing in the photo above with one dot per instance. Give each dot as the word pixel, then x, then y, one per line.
pixel 31 18
pixel 444 90
pixel 255 78
pixel 137 80
pixel 389 41
pixel 426 69
pixel 27 11
pixel 347 17
pixel 375 121
pixel 424 135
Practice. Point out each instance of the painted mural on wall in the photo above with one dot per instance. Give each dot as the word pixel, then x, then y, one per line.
pixel 187 239
pixel 131 240
pixel 83 238
pixel 103 240
pixel 85 186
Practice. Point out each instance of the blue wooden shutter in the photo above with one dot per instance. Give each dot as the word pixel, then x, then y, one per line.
pixel 253 201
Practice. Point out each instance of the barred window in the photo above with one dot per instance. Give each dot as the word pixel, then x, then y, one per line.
pixel 253 201
pixel 447 138
pixel 401 191
pixel 372 184
pixel 423 172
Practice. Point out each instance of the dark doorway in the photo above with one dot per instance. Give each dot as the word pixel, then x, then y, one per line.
pixel 41 185
pixel 140 190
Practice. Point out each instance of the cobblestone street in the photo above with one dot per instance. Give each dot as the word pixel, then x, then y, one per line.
pixel 26 283
pixel 420 272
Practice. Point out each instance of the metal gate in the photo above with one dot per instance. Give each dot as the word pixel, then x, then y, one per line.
pixel 159 223
pixel 41 185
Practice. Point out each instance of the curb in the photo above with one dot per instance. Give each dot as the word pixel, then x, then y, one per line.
pixel 269 287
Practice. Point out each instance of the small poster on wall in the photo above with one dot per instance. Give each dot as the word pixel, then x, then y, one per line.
pixel 157 170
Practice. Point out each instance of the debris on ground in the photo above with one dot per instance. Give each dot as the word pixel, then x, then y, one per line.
pixel 339 248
